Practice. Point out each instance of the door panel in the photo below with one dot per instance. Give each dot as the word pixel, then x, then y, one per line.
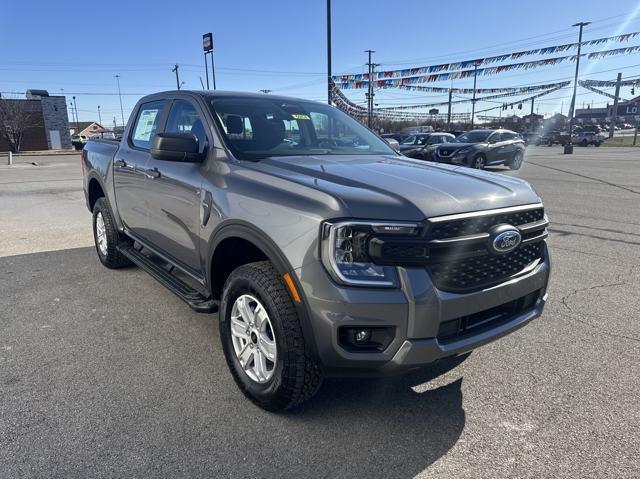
pixel 129 165
pixel 174 193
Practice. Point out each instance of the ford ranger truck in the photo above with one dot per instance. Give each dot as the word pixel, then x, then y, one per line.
pixel 324 251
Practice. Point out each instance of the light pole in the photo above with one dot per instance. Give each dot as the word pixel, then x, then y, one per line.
pixel 120 96
pixel 568 149
pixel 329 52
pixel 99 116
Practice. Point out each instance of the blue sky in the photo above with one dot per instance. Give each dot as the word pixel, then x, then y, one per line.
pixel 280 45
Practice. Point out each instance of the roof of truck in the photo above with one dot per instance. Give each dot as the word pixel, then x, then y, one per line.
pixel 230 94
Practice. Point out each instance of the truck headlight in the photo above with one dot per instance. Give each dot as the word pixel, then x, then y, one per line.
pixel 344 252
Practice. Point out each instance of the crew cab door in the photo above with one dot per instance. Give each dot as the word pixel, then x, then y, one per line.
pixel 174 192
pixel 129 167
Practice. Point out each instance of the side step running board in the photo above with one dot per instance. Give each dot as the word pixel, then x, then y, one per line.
pixel 182 290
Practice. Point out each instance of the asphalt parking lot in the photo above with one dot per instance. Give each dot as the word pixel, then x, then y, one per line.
pixel 107 374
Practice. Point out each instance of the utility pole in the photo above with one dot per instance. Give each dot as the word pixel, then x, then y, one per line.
pixel 75 107
pixel 329 52
pixel 175 70
pixel 73 116
pixel 569 146
pixel 473 101
pixel 370 91
pixel 614 116
pixel 99 116
pixel 531 115
pixel 120 96
pixel 449 109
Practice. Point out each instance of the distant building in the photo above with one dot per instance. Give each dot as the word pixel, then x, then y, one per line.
pixel 43 119
pixel 87 128
pixel 627 111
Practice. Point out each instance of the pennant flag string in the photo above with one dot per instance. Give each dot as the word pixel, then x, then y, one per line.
pixel 609 83
pixel 597 90
pixel 554 86
pixel 410 72
pixel 418 79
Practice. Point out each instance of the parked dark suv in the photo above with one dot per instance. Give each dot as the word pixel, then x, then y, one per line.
pixel 425 151
pixel 480 148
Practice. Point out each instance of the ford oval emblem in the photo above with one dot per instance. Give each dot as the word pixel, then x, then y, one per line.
pixel 506 241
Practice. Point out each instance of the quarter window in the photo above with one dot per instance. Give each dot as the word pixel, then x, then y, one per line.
pixel 146 124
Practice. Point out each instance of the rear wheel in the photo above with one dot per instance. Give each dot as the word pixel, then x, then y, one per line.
pixel 597 143
pixel 516 161
pixel 479 162
pixel 262 339
pixel 106 236
pixel 584 143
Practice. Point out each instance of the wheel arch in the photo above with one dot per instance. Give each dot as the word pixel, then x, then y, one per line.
pixel 246 234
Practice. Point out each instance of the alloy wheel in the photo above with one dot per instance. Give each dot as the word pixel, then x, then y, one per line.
pixel 253 338
pixel 101 234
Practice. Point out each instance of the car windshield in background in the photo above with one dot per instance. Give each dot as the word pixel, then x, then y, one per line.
pixel 256 128
pixel 473 137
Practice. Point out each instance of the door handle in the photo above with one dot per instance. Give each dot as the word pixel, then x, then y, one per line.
pixel 152 173
pixel 120 164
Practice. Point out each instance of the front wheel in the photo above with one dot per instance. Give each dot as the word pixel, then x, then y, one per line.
pixel 262 339
pixel 597 143
pixel 516 162
pixel 479 162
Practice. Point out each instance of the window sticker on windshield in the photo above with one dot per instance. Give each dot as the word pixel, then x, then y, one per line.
pixel 300 116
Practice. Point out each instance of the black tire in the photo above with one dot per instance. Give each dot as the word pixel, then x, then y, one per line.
pixel 111 257
pixel 479 162
pixel 516 161
pixel 584 143
pixel 296 375
pixel 597 143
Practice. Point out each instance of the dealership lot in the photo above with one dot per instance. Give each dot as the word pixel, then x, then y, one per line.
pixel 106 373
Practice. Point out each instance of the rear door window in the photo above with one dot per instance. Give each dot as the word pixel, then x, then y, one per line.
pixel 146 125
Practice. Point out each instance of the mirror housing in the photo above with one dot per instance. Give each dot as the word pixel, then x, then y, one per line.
pixel 176 147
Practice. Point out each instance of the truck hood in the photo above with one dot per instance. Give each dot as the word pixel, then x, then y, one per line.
pixel 399 188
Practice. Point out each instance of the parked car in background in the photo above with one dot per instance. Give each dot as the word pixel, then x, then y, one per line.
pixel 425 152
pixel 480 148
pixel 393 143
pixel 78 141
pixel 555 137
pixel 586 138
pixel 396 136
pixel 412 142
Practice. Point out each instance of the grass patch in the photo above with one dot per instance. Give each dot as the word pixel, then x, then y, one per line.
pixel 621 141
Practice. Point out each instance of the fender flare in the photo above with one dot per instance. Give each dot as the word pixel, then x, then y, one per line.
pixel 252 234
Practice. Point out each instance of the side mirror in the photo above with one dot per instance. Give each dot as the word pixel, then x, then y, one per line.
pixel 176 147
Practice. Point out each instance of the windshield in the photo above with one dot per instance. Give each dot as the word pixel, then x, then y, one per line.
pixel 473 137
pixel 256 128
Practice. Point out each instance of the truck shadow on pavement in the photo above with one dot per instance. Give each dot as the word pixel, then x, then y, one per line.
pixel 106 373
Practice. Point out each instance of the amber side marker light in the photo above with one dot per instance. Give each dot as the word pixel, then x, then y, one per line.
pixel 292 288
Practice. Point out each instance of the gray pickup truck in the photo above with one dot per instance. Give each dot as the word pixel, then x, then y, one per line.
pixel 325 251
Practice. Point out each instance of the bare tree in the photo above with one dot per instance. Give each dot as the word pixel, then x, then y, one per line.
pixel 15 119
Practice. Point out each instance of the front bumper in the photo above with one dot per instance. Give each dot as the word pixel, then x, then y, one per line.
pixel 415 310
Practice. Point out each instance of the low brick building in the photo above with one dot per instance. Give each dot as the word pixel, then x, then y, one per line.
pixel 44 120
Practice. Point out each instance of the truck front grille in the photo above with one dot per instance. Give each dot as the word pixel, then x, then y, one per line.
pixel 461 259
pixel 484 270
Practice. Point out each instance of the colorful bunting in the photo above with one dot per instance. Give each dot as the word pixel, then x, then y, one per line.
pixel 468 64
